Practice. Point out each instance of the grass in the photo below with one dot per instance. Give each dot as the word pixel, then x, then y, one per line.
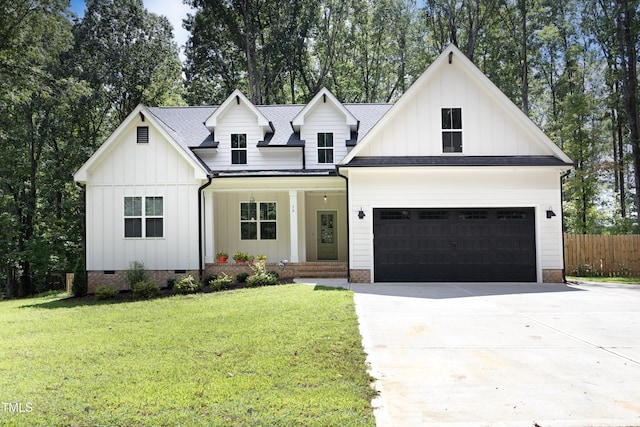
pixel 622 280
pixel 286 355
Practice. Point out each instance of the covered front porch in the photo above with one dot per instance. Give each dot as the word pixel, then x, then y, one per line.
pixel 298 222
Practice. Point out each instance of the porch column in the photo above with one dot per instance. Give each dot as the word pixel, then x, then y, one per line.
pixel 293 225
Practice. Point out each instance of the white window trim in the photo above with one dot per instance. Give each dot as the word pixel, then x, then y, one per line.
pixel 257 220
pixel 246 144
pixel 452 153
pixel 326 149
pixel 143 217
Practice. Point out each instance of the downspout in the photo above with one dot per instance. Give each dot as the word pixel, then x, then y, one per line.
pixel 200 226
pixel 346 180
pixel 84 231
pixel 562 177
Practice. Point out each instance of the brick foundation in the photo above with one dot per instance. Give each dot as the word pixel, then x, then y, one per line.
pixel 552 276
pixel 290 271
pixel 360 276
pixel 119 278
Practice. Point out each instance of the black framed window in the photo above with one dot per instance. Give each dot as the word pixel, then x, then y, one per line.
pixel 452 130
pixel 239 148
pixel 325 148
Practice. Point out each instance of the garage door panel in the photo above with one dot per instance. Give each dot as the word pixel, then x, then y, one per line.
pixel 471 244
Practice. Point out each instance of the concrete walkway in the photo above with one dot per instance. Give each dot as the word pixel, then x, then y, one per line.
pixel 503 354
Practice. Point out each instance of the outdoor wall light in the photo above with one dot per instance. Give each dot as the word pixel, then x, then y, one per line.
pixel 550 213
pixel 325 199
pixel 361 214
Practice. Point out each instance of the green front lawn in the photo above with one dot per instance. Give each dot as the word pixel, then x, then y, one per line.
pixel 286 355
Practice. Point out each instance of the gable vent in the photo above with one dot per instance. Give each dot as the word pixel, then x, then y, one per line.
pixel 143 134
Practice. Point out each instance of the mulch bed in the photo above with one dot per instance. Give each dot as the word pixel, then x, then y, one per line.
pixel 164 292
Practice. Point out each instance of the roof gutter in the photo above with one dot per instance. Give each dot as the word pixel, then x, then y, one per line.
pixel 201 226
pixel 346 180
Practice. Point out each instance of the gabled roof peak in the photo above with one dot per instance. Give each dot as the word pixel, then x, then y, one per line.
pixel 322 97
pixel 236 98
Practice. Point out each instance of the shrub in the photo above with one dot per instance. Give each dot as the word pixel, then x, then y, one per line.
pixel 242 277
pixel 136 273
pixel 241 256
pixel 260 277
pixel 187 285
pixel 223 282
pixel 275 274
pixel 104 292
pixel 145 289
pixel 170 283
pixel 210 278
pixel 79 285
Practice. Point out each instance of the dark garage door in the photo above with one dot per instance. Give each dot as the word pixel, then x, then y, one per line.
pixel 454 245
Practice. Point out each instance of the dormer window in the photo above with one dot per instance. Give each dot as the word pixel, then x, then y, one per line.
pixel 238 148
pixel 325 148
pixel 452 130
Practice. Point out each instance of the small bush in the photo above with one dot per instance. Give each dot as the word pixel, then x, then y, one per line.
pixel 242 277
pixel 274 274
pixel 222 282
pixel 209 278
pixel 104 292
pixel 145 289
pixel 170 283
pixel 260 277
pixel 136 273
pixel 187 285
pixel 79 285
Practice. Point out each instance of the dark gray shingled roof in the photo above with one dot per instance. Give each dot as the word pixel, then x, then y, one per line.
pixel 458 161
pixel 186 124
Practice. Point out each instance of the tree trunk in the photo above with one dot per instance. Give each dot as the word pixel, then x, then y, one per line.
pixel 626 44
pixel 255 94
pixel 525 62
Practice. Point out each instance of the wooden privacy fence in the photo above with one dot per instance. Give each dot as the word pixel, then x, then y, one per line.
pixel 589 254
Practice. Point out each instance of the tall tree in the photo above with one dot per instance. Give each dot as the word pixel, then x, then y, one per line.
pixel 627 38
pixel 128 56
pixel 30 88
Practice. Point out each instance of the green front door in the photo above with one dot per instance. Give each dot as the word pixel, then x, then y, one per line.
pixel 327 235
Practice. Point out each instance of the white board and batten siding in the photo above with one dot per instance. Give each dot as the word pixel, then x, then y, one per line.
pixel 227 224
pixel 466 188
pixel 488 126
pixel 324 118
pixel 143 170
pixel 239 119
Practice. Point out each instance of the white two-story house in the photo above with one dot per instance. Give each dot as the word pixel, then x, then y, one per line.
pixel 451 183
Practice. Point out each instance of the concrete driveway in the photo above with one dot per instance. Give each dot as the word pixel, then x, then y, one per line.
pixel 503 354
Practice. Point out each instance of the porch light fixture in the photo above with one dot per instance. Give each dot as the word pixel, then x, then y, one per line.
pixel 325 199
pixel 550 213
pixel 361 214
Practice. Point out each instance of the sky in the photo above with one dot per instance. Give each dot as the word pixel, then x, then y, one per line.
pixel 174 10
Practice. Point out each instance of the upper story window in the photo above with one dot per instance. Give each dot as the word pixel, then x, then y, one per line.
pixel 238 148
pixel 452 130
pixel 148 222
pixel 143 134
pixel 325 148
pixel 258 224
